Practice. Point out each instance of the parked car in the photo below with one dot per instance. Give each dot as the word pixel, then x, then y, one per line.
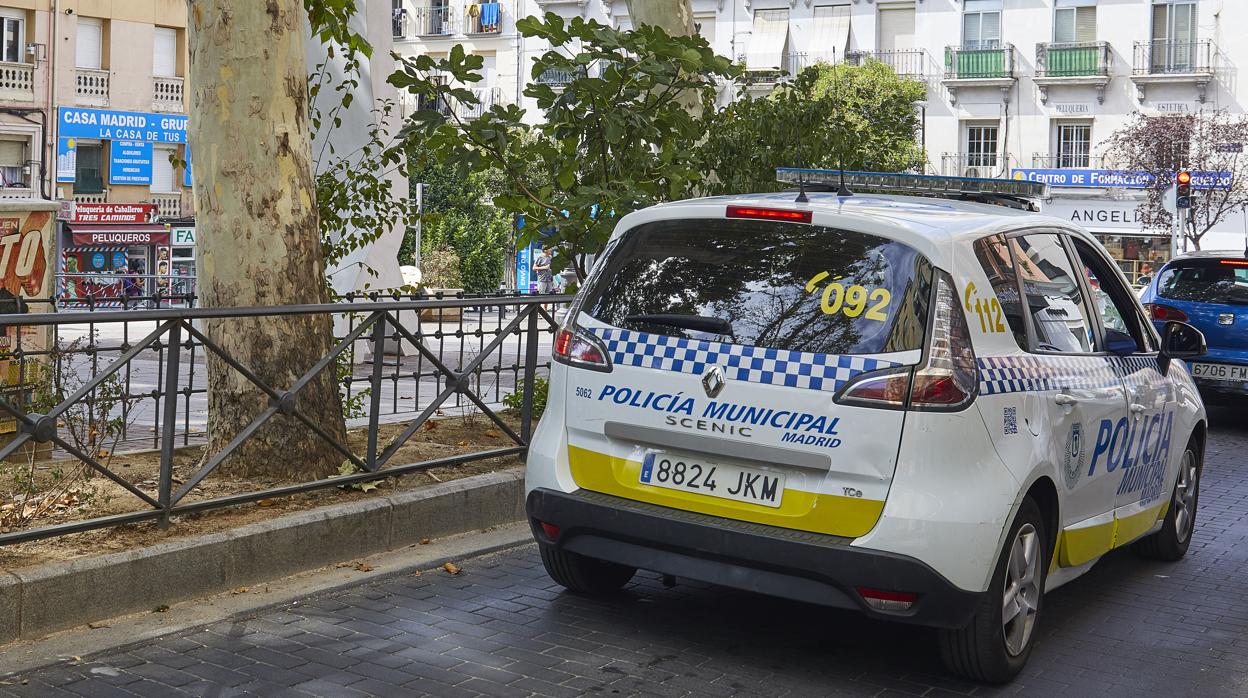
pixel 923 409
pixel 1208 290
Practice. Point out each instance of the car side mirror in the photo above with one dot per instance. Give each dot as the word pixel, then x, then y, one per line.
pixel 1181 341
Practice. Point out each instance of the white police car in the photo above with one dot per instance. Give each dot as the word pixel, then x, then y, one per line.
pixel 925 409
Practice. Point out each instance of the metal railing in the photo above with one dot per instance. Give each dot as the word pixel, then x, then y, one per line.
pixel 487 97
pixel 979 63
pixel 771 68
pixel 1067 161
pixel 17 81
pixel 555 78
pixel 113 290
pixel 433 21
pixel 1169 57
pixel 1075 59
pixel 167 94
pixel 971 165
pixel 429 355
pixel 91 86
pixel 910 63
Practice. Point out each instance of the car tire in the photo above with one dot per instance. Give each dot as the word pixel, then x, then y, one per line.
pixel 584 575
pixel 992 648
pixel 1171 542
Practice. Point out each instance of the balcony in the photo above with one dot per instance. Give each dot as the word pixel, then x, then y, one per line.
pixel 766 71
pixel 556 78
pixel 91 86
pixel 486 97
pixel 1075 63
pixel 168 205
pixel 908 63
pixel 972 165
pixel 488 20
pixel 167 95
pixel 100 197
pixel 433 21
pixel 17 82
pixel 1175 62
pixel 1067 161
pixel 976 66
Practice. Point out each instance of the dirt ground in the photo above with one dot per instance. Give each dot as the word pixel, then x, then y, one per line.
pixel 99 496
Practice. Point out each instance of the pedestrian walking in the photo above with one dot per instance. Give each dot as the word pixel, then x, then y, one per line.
pixel 545 277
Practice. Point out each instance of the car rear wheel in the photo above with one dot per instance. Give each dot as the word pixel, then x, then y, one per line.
pixel 1171 542
pixel 995 645
pixel 584 575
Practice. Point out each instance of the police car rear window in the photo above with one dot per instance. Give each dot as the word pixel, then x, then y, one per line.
pixel 760 283
pixel 1206 281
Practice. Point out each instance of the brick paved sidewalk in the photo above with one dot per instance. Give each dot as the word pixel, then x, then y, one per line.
pixel 501 628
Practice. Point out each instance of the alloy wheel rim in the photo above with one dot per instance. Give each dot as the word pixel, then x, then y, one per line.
pixel 1021 599
pixel 1185 497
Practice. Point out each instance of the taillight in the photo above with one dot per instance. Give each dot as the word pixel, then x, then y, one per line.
pixel 575 347
pixel 769 214
pixel 888 600
pixel 551 531
pixel 887 388
pixel 948 379
pixel 1165 313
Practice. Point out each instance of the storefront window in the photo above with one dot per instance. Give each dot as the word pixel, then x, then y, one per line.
pixel 1139 256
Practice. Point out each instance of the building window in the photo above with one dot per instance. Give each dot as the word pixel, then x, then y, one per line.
pixel 1174 37
pixel 1074 21
pixel 163 181
pixel 165 53
pixel 981 147
pixel 13 156
pixel 14 48
pixel 89 50
pixel 1074 146
pixel 981 24
pixel 88 178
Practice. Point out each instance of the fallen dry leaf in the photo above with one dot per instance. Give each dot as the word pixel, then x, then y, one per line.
pixel 425 541
pixel 240 590
pixel 431 425
pixel 451 567
pixel 363 567
pixel 266 502
pixel 491 433
pixel 416 573
pixel 462 443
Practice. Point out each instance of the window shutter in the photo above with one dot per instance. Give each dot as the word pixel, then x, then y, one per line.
pixel 165 53
pixel 970 30
pixel 897 29
pixel 1160 15
pixel 1064 25
pixel 991 28
pixel 831 29
pixel 1184 23
pixel 1085 23
pixel 90 43
pixel 12 153
pixel 162 171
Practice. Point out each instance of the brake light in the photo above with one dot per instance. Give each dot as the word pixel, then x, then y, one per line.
pixel 1235 262
pixel 886 600
pixel 885 388
pixel 551 531
pixel 948 381
pixel 769 214
pixel 581 349
pixel 1165 313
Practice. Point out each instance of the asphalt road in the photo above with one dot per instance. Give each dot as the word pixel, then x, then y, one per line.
pixel 501 628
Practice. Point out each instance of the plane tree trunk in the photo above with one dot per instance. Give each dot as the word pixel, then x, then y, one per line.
pixel 674 17
pixel 256 221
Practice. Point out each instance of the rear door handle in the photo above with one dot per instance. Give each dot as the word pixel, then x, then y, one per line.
pixel 1065 399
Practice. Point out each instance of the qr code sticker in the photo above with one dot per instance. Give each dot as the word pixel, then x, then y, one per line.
pixel 1011 420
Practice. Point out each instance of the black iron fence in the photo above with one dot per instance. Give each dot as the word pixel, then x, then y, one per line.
pixel 141 374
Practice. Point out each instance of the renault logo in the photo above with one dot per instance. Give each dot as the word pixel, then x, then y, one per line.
pixel 1226 319
pixel 713 381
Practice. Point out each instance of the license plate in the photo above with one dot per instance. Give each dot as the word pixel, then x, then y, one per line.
pixel 1220 372
pixel 722 480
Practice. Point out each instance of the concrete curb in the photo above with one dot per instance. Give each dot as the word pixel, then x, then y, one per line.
pixel 37 601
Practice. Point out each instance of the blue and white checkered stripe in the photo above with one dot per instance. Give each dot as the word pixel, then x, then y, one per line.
pixel 794 369
pixel 1016 374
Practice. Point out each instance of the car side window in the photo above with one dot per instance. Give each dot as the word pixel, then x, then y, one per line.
pixel 994 257
pixel 1112 301
pixel 1054 297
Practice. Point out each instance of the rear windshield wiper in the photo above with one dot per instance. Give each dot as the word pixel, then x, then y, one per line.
pixel 699 323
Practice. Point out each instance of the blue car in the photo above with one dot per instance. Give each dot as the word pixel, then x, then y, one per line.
pixel 1208 290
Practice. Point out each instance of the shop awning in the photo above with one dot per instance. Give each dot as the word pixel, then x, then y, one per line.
pixel 769 40
pixel 120 234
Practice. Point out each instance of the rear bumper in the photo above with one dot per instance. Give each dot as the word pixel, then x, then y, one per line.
pixel 781 562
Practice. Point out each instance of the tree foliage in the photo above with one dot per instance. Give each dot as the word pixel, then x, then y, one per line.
pixel 614 139
pixel 1161 146
pixel 860 116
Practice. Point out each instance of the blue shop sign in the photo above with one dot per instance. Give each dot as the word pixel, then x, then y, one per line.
pixel 108 125
pixel 130 162
pixel 1114 178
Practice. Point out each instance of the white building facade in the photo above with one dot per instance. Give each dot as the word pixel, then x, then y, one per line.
pixel 1022 88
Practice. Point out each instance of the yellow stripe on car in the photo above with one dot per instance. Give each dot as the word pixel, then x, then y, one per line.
pixel 1077 545
pixel 805 511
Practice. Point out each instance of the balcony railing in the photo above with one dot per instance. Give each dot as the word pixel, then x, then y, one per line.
pixel 910 63
pixel 488 20
pixel 555 78
pixel 96 197
pixel 167 94
pixel 1072 60
pixel 91 86
pixel 168 205
pixel 1169 57
pixel 768 69
pixel 486 98
pixel 979 63
pixel 17 81
pixel 1067 161
pixel 433 21
pixel 970 165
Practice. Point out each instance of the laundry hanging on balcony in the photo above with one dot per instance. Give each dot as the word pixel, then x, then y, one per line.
pixel 486 16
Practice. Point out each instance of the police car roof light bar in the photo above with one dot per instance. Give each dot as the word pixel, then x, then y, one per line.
pixel 929 185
